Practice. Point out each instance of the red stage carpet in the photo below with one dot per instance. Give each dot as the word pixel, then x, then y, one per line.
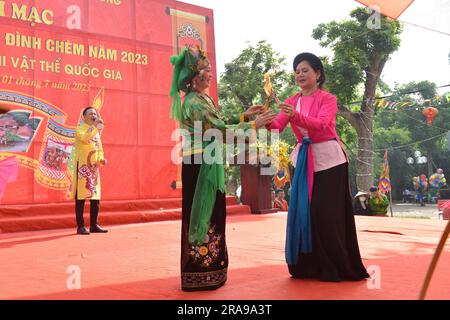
pixel 16 218
pixel 142 262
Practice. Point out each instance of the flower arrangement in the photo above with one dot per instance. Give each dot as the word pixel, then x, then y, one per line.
pixel 277 154
pixel 280 152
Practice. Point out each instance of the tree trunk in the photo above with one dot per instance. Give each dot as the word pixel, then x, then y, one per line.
pixel 364 176
pixel 364 165
pixel 363 123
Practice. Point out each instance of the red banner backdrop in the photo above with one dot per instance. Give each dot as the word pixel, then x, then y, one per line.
pixel 59 56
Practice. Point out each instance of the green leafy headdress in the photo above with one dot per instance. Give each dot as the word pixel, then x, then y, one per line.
pixel 186 66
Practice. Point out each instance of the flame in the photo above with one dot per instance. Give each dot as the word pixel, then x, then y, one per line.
pixel 97 104
pixel 268 89
pixel 267 84
pixel 271 95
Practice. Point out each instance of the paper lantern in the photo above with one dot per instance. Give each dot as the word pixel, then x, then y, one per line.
pixel 430 113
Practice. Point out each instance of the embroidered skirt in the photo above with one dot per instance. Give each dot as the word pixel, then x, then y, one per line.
pixel 204 266
pixel 335 256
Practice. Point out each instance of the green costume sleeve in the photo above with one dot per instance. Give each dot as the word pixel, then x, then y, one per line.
pixel 235 119
pixel 211 178
pixel 197 109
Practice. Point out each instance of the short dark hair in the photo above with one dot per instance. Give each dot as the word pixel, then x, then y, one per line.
pixel 373 189
pixel 86 110
pixel 314 62
pixel 278 191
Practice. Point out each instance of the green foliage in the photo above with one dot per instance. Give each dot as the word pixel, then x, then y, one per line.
pixel 242 83
pixel 400 128
pixel 357 51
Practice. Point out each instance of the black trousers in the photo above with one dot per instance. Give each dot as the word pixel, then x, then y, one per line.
pixel 79 209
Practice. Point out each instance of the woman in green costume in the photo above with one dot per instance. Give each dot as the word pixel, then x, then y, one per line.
pixel 204 258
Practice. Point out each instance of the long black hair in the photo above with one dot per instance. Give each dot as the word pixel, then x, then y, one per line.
pixel 314 62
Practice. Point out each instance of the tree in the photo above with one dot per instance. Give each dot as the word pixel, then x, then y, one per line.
pixel 405 130
pixel 360 54
pixel 242 83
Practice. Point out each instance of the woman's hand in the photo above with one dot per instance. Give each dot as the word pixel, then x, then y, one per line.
pixel 264 119
pixel 252 110
pixel 288 110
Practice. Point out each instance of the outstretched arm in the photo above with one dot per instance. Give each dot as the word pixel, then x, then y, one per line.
pixel 282 120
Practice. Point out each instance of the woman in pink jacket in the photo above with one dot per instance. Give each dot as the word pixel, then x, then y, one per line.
pixel 321 237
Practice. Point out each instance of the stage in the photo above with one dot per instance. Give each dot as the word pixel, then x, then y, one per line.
pixel 141 261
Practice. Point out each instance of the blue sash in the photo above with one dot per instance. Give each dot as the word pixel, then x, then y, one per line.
pixel 299 217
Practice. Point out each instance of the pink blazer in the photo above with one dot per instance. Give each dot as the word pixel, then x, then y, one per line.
pixel 319 118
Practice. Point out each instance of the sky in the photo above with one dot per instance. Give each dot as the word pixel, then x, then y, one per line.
pixel 288 25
